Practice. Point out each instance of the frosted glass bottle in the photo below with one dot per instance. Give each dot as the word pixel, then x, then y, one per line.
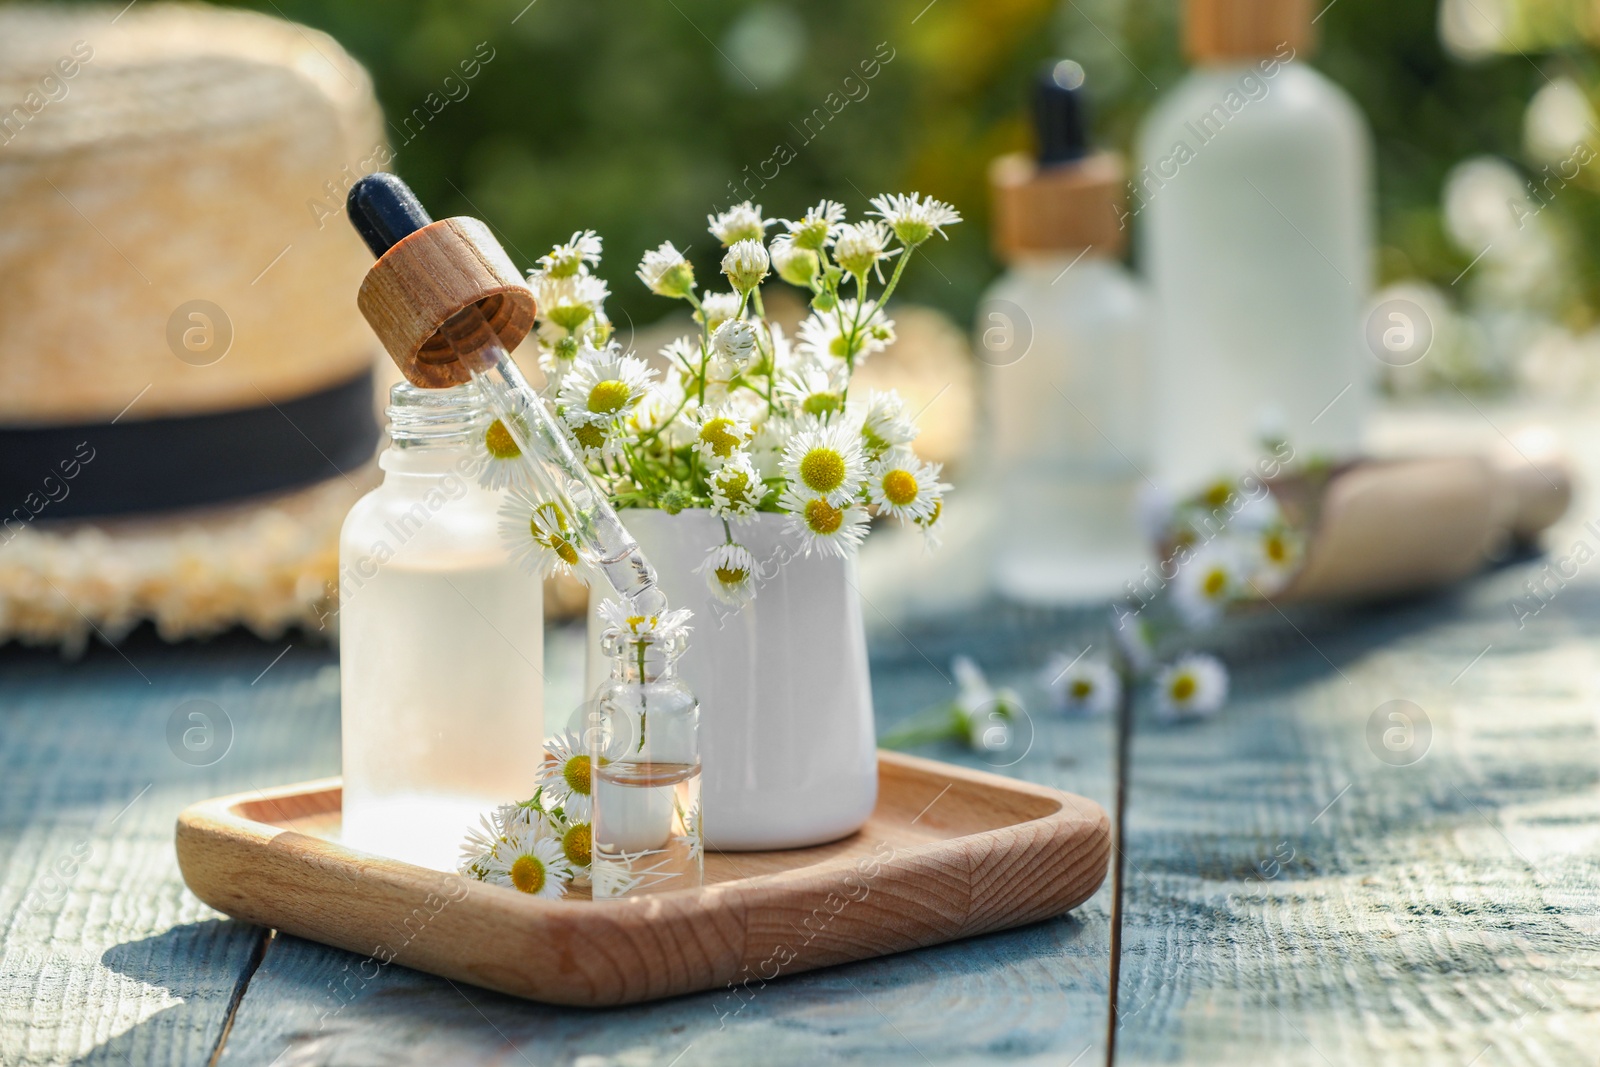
pixel 1068 427
pixel 1253 205
pixel 441 642
pixel 1064 333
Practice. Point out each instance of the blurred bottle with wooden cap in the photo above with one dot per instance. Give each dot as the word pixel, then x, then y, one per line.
pixel 1063 334
pixel 1253 201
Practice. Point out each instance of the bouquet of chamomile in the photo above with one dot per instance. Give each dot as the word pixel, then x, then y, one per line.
pixel 736 417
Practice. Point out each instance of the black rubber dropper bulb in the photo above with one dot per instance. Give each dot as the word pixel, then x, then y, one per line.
pixel 1061 113
pixel 383 209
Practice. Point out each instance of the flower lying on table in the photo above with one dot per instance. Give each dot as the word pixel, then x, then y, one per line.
pixel 542 845
pixel 742 420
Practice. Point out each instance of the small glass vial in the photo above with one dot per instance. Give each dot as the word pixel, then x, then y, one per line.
pixel 645 751
pixel 441 642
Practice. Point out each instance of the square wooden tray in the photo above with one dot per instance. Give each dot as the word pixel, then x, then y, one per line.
pixel 948 853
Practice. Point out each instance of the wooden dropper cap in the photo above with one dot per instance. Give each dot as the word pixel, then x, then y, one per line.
pixel 427 272
pixel 1067 198
pixel 1245 29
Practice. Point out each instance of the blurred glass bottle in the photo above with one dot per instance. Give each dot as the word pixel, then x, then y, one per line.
pixel 1064 333
pixel 1253 201
pixel 441 641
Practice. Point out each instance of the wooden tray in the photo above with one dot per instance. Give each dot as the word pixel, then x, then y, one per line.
pixel 948 853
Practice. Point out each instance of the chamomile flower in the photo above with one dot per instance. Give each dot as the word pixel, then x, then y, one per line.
pixel 530 861
pixel 625 619
pixel 718 308
pixel 741 222
pixel 837 335
pixel 657 413
pixel 823 527
pixel 795 265
pixel 498 457
pixel 597 436
pixel 986 713
pixel 915 219
pixel 736 489
pixel 730 573
pixel 1195 685
pixel 569 305
pixel 815 230
pixel 1279 551
pixel 734 342
pixel 904 486
pixel 932 527
pixel 566 771
pixel 574 828
pixel 824 459
pixel 691 832
pixel 745 265
pixel 482 843
pixel 861 248
pixel 605 383
pixel 813 388
pixel 581 250
pixel 538 533
pixel 884 424
pixel 720 433
pixel 666 273
pixel 1084 686
pixel 1205 584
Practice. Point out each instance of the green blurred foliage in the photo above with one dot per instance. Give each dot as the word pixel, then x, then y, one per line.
pixel 637 118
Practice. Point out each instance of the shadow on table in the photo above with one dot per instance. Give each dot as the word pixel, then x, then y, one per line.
pixel 203 965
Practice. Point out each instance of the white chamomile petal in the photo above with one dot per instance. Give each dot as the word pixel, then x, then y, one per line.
pixel 665 272
pixel 825 459
pixel 1193 686
pixel 914 219
pixel 605 383
pixel 1084 687
pixel 736 489
pixel 904 486
pixel 538 534
pixel 530 862
pixel 565 772
pixel 741 222
pixel 730 573
pixel 824 527
pixel 625 619
pixel 720 433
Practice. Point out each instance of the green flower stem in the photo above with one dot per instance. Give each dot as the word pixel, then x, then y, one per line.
pixel 943 722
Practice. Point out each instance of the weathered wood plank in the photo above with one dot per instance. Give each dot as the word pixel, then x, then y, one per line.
pixel 106 957
pixel 1033 995
pixel 1293 896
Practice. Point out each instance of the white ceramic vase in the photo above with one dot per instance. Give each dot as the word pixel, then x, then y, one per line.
pixel 786 733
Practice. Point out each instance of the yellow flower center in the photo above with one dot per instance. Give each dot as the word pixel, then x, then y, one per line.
pixel 568 316
pixel 899 487
pixel 933 516
pixel 822 469
pixel 527 874
pixel 821 403
pixel 1277 550
pixel 589 435
pixel 1080 688
pixel 823 518
pixel 732 575
pixel 1183 687
pixel 718 433
pixel 735 485
pixel 1218 494
pixel 610 395
pixel 499 442
pixel 1216 581
pixel 840 345
pixel 576 774
pixel 577 843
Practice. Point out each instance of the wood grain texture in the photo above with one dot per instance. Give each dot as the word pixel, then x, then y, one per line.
pixel 105 957
pixel 427 277
pixel 1293 898
pixel 947 853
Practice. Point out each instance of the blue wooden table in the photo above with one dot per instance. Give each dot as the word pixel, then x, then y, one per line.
pixel 1293 890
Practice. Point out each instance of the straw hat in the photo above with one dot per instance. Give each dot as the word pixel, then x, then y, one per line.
pixel 186 390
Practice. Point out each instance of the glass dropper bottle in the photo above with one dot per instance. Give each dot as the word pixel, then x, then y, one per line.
pixel 469 345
